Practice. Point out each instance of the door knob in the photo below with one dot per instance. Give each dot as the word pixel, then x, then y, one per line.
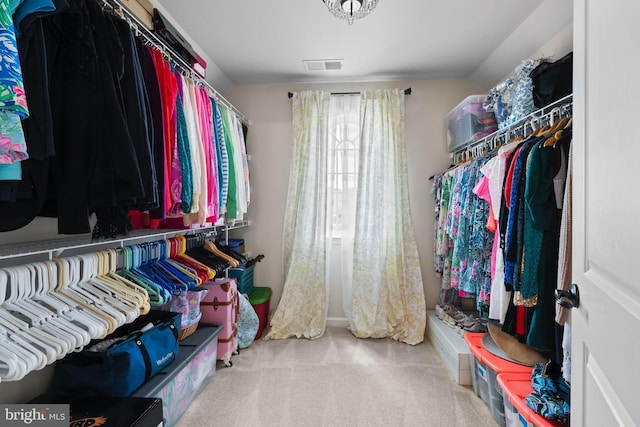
pixel 568 299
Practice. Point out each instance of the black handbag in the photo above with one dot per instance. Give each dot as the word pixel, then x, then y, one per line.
pixel 552 80
pixel 121 368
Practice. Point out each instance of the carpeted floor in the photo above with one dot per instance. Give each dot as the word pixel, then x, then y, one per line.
pixel 337 380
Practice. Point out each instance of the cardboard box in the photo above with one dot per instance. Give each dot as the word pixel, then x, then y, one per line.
pixel 141 9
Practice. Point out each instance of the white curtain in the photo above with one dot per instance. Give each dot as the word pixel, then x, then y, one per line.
pixel 387 292
pixel 302 310
pixel 382 285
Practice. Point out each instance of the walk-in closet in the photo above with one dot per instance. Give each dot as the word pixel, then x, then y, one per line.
pixel 320 213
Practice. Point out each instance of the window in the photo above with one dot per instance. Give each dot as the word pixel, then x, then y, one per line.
pixel 342 173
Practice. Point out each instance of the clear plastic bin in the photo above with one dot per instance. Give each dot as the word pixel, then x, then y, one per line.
pixel 486 366
pixel 469 121
pixel 515 387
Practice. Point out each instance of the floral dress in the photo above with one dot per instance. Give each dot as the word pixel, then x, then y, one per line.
pixel 13 102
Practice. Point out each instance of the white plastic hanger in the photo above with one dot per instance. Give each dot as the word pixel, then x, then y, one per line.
pixel 60 316
pixel 45 347
pixel 92 283
pixel 87 269
pixel 100 327
pixel 46 273
pixel 40 320
pixel 121 296
pixel 68 275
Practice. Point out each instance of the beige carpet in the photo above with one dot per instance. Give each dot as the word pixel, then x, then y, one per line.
pixel 337 380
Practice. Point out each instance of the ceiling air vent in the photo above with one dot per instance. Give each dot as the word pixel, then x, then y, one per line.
pixel 323 64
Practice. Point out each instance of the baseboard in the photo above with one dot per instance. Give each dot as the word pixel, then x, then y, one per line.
pixel 337 322
pixel 451 347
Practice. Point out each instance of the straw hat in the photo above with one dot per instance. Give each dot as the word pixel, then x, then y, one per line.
pixel 519 352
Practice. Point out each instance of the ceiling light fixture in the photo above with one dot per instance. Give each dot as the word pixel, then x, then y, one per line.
pixel 350 10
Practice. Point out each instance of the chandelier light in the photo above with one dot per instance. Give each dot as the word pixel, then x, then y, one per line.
pixel 350 10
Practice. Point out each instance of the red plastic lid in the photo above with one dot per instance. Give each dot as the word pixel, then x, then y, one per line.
pixel 474 340
pixel 496 363
pixel 517 386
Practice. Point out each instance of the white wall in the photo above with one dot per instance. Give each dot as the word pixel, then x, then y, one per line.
pixel 269 144
pixel 548 26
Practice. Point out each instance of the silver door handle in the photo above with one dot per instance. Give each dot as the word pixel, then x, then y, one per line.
pixel 568 299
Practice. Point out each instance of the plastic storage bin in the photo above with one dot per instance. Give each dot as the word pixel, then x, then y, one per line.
pixel 260 300
pixel 485 367
pixel 469 121
pixel 244 278
pixel 515 387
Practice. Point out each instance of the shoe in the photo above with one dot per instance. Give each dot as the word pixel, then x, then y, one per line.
pixel 477 326
pixel 450 321
pixel 453 312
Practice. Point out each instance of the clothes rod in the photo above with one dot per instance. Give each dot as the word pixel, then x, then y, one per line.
pixel 407 91
pixel 562 107
pixel 142 30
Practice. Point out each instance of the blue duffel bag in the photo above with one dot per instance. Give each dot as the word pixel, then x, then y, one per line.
pixel 119 364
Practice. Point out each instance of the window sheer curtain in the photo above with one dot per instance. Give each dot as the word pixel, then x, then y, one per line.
pixel 383 294
pixel 302 310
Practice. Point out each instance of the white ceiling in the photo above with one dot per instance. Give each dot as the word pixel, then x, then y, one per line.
pixel 266 41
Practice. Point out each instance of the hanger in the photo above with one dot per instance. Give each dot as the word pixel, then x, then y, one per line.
pixel 158 295
pixel 70 336
pixel 34 354
pixel 10 366
pixel 129 295
pixel 569 123
pixel 178 246
pixel 150 271
pixel 181 276
pixel 17 357
pixel 69 309
pixel 555 133
pixel 125 286
pixel 88 265
pixel 43 334
pixel 67 277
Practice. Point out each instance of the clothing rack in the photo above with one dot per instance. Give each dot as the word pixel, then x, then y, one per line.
pixel 522 128
pixel 407 91
pixel 154 41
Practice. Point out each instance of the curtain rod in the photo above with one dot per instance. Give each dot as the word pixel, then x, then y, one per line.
pixel 407 91
pixel 142 30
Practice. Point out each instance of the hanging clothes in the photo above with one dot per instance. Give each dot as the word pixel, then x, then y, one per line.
pixel 223 157
pixel 13 106
pixel 497 224
pixel 135 101
pixel 155 106
pixel 168 84
pixel 181 174
pixel 104 174
pixel 21 201
pixel 127 130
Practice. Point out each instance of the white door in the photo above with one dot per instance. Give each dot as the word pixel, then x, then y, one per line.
pixel 606 234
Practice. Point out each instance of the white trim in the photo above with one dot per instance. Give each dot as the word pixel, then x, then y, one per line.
pixel 337 322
